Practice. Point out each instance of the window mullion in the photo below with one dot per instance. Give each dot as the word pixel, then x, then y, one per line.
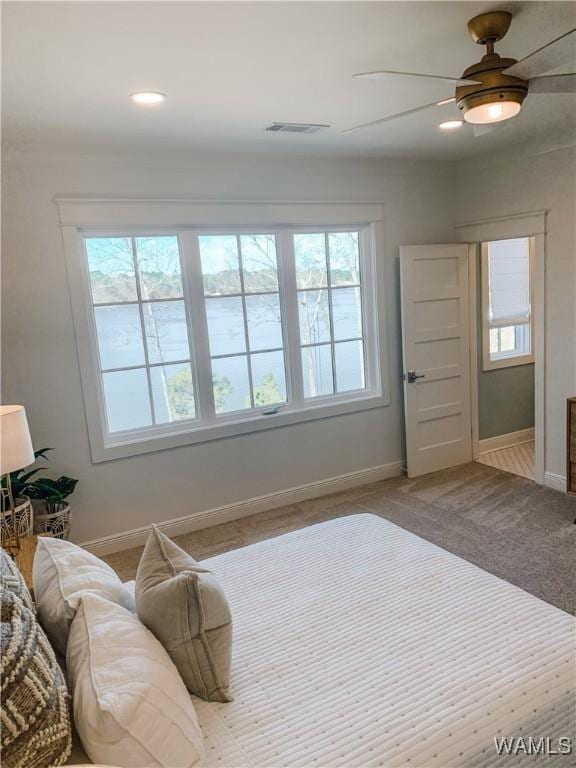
pixel 143 330
pixel 197 325
pixel 289 303
pixel 245 317
pixel 330 311
pixel 369 307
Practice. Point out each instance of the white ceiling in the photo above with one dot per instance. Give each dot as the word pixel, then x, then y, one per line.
pixel 231 68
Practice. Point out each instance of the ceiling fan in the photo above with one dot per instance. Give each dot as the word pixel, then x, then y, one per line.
pixel 494 89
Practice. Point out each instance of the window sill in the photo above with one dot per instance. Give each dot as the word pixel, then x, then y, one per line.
pixel 508 362
pixel 133 445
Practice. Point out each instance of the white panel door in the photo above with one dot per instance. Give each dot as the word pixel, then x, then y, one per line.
pixel 436 343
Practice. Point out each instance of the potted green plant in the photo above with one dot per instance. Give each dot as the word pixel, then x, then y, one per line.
pixel 51 510
pixel 52 513
pixel 17 484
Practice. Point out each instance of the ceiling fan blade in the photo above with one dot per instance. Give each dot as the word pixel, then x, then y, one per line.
pixel 387 119
pixel 554 84
pixel 388 74
pixel 554 54
pixel 481 129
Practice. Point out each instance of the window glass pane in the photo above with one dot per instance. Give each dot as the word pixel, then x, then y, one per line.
pixel 507 339
pixel 310 258
pixel 314 316
pixel 231 384
pixel 268 378
pixel 510 341
pixel 317 371
pixel 159 267
pixel 349 358
pixel 344 258
pixel 226 325
pixel 494 341
pixel 264 322
pixel 220 268
pixel 523 339
pixel 173 392
pixel 259 265
pixel 119 336
pixel 166 331
pixel 111 267
pixel 127 399
pixel 346 313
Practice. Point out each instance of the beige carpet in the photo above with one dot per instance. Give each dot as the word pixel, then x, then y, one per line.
pixel 507 525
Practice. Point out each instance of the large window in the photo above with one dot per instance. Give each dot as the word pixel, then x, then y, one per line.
pixel 245 333
pixel 196 330
pixel 507 302
pixel 141 329
pixel 330 312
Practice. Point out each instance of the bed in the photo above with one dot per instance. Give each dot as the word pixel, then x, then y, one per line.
pixel 358 643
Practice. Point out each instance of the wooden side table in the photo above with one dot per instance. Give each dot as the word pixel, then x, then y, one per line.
pixel 571 446
pixel 25 558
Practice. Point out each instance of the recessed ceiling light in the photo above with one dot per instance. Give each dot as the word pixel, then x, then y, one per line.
pixel 148 97
pixel 450 125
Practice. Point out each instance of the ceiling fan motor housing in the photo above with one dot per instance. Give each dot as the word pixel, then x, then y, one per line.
pixel 492 85
pixel 489 27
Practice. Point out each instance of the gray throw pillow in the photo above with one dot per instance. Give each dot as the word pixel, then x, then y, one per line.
pixel 13 580
pixel 184 606
pixel 36 730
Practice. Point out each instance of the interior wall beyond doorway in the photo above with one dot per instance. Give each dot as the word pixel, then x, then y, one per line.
pixel 505 395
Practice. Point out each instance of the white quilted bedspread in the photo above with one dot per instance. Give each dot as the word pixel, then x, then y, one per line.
pixel 358 644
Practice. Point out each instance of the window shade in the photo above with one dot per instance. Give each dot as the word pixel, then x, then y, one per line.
pixel 509 282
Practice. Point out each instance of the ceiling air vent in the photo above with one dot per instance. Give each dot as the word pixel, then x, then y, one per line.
pixel 295 127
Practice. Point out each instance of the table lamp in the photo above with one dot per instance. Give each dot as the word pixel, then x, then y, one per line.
pixel 16 452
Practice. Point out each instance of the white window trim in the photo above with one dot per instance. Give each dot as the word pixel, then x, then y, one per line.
pixel 507 359
pixel 84 217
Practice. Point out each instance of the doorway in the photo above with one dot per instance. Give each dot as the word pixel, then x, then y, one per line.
pixel 505 354
pixel 444 351
pixel 507 391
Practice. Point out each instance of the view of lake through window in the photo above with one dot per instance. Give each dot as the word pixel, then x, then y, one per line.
pixel 151 355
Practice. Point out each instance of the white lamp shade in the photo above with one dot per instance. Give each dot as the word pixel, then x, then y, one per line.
pixel 16 450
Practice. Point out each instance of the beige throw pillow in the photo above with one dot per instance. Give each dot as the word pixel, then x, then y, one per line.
pixel 185 607
pixel 131 707
pixel 62 573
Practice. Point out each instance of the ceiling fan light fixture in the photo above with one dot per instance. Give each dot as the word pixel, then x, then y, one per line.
pixel 496 96
pixel 492 111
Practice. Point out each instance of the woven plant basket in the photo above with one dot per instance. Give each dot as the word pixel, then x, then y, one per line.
pixel 24 517
pixel 57 523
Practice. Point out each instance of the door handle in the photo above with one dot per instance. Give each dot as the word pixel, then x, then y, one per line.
pixel 411 376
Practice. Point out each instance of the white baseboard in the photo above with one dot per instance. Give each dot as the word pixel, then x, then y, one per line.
pixel 505 441
pixel 178 526
pixel 557 482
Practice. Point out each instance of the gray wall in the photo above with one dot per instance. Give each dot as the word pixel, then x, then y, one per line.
pixel 40 366
pixel 505 395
